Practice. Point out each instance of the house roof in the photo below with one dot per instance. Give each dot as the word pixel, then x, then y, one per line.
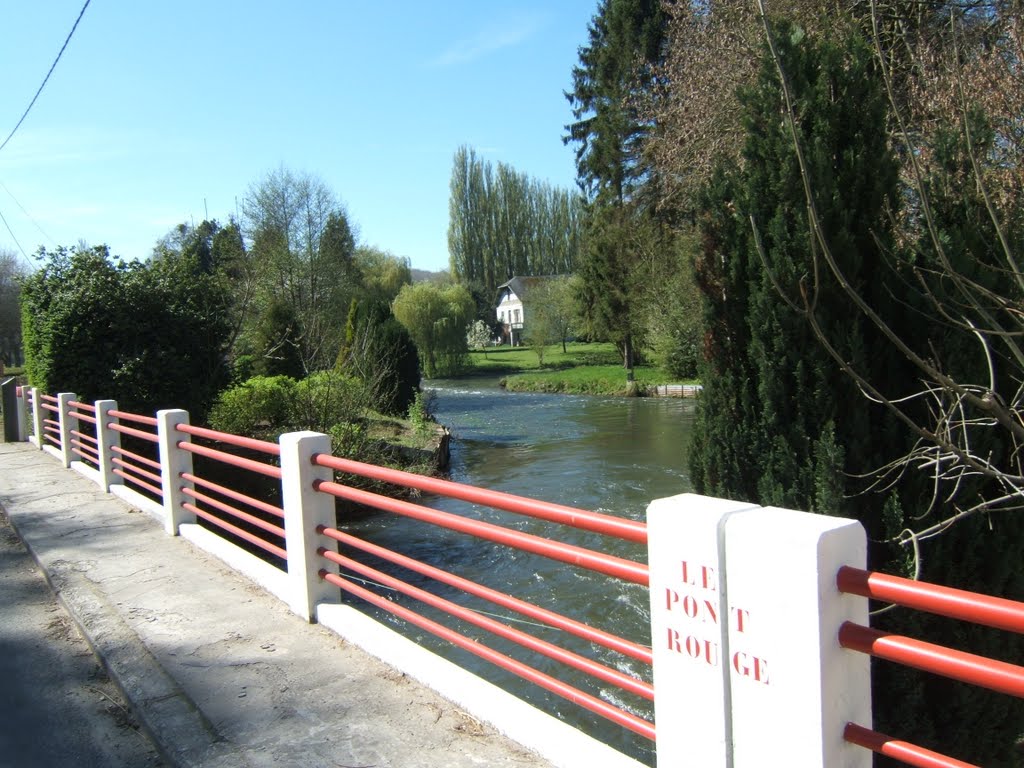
pixel 522 284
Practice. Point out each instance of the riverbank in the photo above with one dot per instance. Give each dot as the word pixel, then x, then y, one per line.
pixel 582 369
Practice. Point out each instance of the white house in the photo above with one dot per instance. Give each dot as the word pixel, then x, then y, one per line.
pixel 511 312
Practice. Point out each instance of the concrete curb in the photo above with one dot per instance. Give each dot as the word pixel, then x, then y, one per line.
pixel 181 733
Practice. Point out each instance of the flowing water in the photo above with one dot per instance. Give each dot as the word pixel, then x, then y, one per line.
pixel 611 455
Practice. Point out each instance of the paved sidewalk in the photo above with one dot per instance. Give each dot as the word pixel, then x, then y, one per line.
pixel 215 670
pixel 58 708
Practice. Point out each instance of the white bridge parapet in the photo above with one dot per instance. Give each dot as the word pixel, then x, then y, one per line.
pixel 745 618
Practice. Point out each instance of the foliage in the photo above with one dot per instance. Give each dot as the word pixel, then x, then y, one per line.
pixel 421 413
pixel 277 333
pixel 260 406
pixel 713 49
pixel 148 335
pixel 436 317
pixel 11 273
pixel 610 277
pixel 670 306
pixel 625 43
pixel 479 336
pixel 551 307
pixel 381 273
pixel 792 243
pixel 303 258
pixel 326 399
pixel 267 406
pixel 585 380
pixel 502 224
pixel 379 351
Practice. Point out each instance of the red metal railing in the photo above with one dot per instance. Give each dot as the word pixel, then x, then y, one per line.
pixel 609 565
pixel 996 612
pixel 248 526
pixel 999 676
pixel 911 754
pixel 130 465
pixel 84 445
pixel 629 530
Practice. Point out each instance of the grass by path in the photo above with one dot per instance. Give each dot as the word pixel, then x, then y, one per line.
pixel 591 369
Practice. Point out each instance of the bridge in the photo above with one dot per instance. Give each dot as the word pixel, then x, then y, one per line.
pixel 743 643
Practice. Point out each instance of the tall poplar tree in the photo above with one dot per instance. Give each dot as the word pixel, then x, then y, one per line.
pixel 502 223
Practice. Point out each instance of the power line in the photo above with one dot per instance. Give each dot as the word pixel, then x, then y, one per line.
pixel 28 215
pixel 45 79
pixel 27 259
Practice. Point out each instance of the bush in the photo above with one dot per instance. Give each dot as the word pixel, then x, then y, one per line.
pixel 150 336
pixel 260 407
pixel 326 399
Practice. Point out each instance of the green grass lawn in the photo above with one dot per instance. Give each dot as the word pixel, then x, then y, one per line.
pixel 499 360
pixel 593 369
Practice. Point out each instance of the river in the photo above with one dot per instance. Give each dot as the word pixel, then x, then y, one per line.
pixel 612 455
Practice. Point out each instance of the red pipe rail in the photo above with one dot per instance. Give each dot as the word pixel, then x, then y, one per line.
pixel 231 459
pixel 82 411
pixel 627 570
pixel 568 658
pixel 126 469
pixel 905 752
pixel 139 471
pixel 240 462
pixel 234 529
pixel 234 512
pixel 556 620
pixel 142 435
pixel 135 457
pixel 611 712
pixel 49 398
pixel 996 612
pixel 263 506
pixel 969 668
pixel 132 417
pixel 629 530
pixel 84 450
pixel 87 438
pixel 617 567
pixel 237 440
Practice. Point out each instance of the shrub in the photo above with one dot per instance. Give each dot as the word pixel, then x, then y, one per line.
pixel 260 407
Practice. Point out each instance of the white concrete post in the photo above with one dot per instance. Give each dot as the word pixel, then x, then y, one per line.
pixel 304 510
pixel 22 414
pixel 37 419
pixel 173 462
pixel 67 423
pixel 107 439
pixel 793 688
pixel 687 636
pixel 745 621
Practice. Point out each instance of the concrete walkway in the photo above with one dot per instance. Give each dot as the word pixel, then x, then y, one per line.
pixel 217 672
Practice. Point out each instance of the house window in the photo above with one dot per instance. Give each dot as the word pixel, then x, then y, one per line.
pixel 517 314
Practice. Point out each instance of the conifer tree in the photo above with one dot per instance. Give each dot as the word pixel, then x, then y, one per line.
pixel 626 39
pixel 780 422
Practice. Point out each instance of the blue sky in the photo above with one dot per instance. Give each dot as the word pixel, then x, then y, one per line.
pixel 160 112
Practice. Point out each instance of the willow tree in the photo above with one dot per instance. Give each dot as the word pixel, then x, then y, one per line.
pixel 437 317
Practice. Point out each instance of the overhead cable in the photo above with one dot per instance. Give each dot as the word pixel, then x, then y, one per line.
pixel 29 261
pixel 52 67
pixel 27 214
